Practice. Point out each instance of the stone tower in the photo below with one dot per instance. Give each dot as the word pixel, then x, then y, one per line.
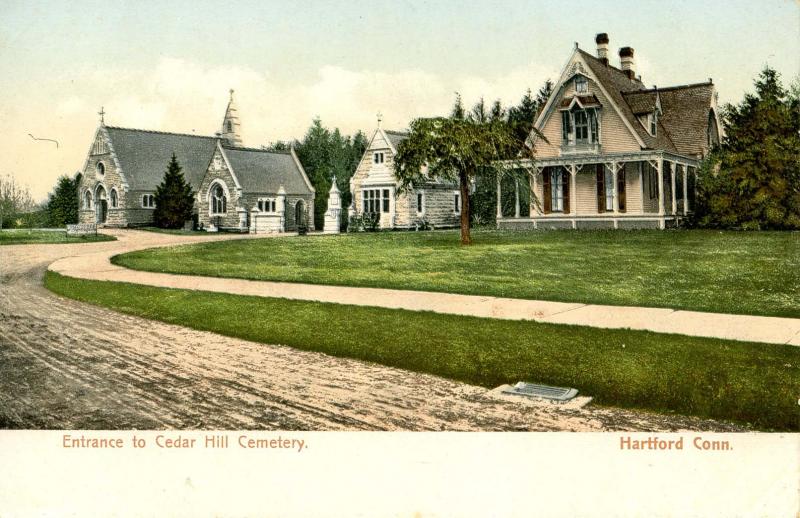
pixel 230 125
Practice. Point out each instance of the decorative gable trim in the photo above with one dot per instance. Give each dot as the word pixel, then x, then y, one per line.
pixel 221 151
pixel 576 63
pixel 302 170
pixel 102 132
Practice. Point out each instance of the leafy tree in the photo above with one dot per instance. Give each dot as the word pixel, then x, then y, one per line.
pixel 459 148
pixel 752 180
pixel 63 203
pixel 174 198
pixel 14 199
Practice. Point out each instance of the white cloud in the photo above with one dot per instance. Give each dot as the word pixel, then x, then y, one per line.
pixel 186 96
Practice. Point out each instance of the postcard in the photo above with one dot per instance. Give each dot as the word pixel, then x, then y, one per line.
pixel 513 258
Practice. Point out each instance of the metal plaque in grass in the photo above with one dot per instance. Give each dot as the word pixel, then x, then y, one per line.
pixel 532 390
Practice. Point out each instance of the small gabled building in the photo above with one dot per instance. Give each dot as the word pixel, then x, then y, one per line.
pixel 375 190
pixel 618 154
pixel 236 187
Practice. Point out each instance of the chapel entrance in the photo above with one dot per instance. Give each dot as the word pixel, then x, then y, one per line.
pixel 101 205
pixel 299 214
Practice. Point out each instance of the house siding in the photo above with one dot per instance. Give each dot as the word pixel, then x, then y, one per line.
pixel 615 137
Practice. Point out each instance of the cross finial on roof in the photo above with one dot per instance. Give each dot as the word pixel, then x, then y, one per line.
pixel 102 114
pixel 380 118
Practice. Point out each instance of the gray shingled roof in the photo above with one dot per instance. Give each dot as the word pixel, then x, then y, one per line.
pixel 396 137
pixel 683 124
pixel 262 171
pixel 144 155
pixel 685 115
pixel 617 83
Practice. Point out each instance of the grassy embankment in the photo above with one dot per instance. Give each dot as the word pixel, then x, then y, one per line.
pixel 750 383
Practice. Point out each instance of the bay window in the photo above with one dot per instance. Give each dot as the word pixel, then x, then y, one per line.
pixel 580 126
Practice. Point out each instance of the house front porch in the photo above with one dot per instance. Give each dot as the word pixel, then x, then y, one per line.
pixel 646 189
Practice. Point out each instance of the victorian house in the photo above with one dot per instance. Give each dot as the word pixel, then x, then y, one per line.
pixel 375 189
pixel 236 188
pixel 617 153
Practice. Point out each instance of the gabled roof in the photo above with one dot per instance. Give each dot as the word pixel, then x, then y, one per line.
pixel 144 155
pixel 685 111
pixel 618 84
pixel 261 171
pixel 395 137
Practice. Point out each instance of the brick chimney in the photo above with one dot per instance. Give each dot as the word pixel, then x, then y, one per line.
pixel 626 62
pixel 602 47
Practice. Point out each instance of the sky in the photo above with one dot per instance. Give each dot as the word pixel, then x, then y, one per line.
pixel 168 66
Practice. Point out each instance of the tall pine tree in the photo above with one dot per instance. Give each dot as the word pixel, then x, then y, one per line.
pixel 62 205
pixel 174 198
pixel 752 180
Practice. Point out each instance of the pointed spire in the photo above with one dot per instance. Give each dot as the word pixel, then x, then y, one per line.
pixel 230 124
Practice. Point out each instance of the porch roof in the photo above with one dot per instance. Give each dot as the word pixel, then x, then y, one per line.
pixel 632 156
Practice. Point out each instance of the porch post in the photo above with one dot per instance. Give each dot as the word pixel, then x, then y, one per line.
pixel 516 197
pixel 685 189
pixel 499 200
pixel 573 199
pixel 615 194
pixel 660 172
pixel 531 203
pixel 674 171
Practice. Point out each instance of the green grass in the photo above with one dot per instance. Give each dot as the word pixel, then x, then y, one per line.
pixel 25 237
pixel 728 272
pixel 757 384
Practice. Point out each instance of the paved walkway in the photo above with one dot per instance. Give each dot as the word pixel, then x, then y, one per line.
pixel 95 265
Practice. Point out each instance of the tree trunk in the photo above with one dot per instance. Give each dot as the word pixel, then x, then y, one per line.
pixel 463 178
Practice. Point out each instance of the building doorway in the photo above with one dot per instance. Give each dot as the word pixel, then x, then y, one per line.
pixel 101 205
pixel 300 214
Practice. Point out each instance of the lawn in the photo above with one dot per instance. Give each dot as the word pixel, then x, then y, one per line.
pixel 756 384
pixel 23 237
pixel 728 272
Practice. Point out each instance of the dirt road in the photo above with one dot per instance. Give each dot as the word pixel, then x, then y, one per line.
pixel 65 364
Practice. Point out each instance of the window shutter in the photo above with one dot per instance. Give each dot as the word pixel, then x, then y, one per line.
pixel 547 192
pixel 593 124
pixel 565 127
pixel 567 178
pixel 621 189
pixel 601 188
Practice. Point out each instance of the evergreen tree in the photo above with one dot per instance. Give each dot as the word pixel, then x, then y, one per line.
pixel 174 198
pixel 325 154
pixel 63 203
pixel 752 180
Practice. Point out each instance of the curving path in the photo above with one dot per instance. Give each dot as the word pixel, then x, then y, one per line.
pixel 69 365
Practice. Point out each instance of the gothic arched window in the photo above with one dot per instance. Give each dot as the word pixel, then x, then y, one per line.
pixel 114 200
pixel 87 200
pixel 100 168
pixel 219 202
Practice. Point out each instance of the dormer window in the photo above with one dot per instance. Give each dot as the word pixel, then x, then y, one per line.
pixel 378 157
pixel 581 85
pixel 579 126
pixel 652 123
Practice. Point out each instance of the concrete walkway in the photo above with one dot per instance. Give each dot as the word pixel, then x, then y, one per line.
pixel 95 265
